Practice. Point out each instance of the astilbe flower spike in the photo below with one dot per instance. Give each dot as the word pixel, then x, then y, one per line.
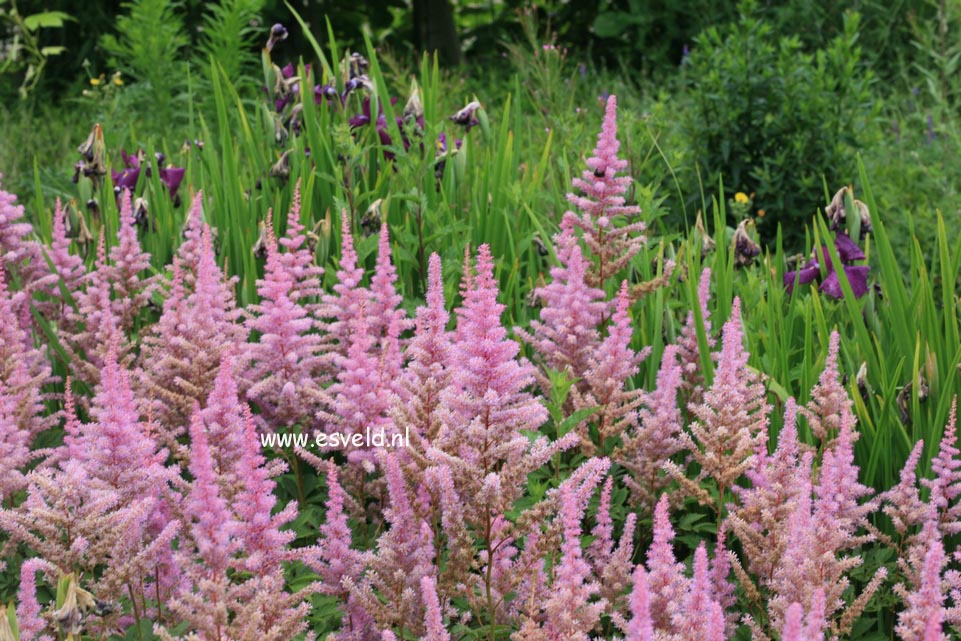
pixel 902 503
pixel 433 617
pixel 404 556
pixel 264 542
pixel 641 627
pixel 66 270
pixel 730 422
pixel 760 519
pixel 923 616
pixel 183 350
pixel 387 318
pixel 567 333
pixel 287 366
pixel 28 609
pixel 611 565
pixel 701 618
pixel 945 488
pixel 19 254
pixel 345 305
pixel 487 405
pixel 611 246
pixel 665 576
pixel 427 373
pixel 610 369
pixel 653 439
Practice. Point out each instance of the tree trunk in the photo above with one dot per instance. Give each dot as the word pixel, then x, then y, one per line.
pixel 435 30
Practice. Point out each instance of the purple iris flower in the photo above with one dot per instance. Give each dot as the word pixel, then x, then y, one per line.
pixel 848 252
pixel 172 177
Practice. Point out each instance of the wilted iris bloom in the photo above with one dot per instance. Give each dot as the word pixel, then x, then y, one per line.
pixel 278 33
pixel 848 252
pixel 467 116
pixel 746 248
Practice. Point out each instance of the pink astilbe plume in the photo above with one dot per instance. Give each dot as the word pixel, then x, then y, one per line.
pixel 923 616
pixel 433 616
pixel 665 576
pixel 191 248
pixel 830 403
pixel 731 422
pixel 945 488
pixel 288 365
pixel 902 503
pixel 701 617
pixel 128 261
pixel 67 270
pixel 259 528
pixel 339 565
pixel 28 609
pixel 601 206
pixel 611 565
pixel 641 626
pixel 487 404
pixel 610 369
pixel 567 333
pixel 428 370
pixel 24 370
pixel 347 302
pixel 387 318
pixel 20 255
pixel 404 556
pixel 688 347
pixel 570 607
pixel 761 517
pixel 183 351
pixel 653 439
pixel 298 258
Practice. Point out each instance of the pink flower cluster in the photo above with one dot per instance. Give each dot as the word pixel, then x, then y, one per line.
pixel 164 505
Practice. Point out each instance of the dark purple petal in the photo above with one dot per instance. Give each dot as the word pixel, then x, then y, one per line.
pixel 172 177
pixel 126 179
pixel 803 276
pixel 288 70
pixel 130 162
pixel 848 251
pixel 858 278
pixel 359 120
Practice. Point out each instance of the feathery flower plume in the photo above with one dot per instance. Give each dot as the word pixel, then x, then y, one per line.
pixel 701 616
pixel 184 348
pixel 610 368
pixel 386 316
pixel 346 304
pixel 404 556
pixel 487 405
pixel 433 617
pixel 19 255
pixel 730 423
pixel 665 576
pixel 567 334
pixel 287 365
pixel 611 565
pixel 829 404
pixel 264 543
pixel 428 368
pixel 760 519
pixel 641 627
pixel 902 503
pixel 28 609
pixel 945 488
pixel 611 246
pixel 922 618
pixel 653 440
pixel 67 270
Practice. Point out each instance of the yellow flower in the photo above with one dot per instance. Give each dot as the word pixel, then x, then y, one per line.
pixel 116 79
pixel 760 213
pixel 96 82
pixel 740 198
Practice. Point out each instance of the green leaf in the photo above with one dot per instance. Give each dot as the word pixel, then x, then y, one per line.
pixel 45 20
pixel 52 51
pixel 613 23
pixel 571 421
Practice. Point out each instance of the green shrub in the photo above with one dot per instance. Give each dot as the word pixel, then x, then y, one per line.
pixel 776 121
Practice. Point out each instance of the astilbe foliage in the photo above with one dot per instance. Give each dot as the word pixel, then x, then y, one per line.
pixel 601 207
